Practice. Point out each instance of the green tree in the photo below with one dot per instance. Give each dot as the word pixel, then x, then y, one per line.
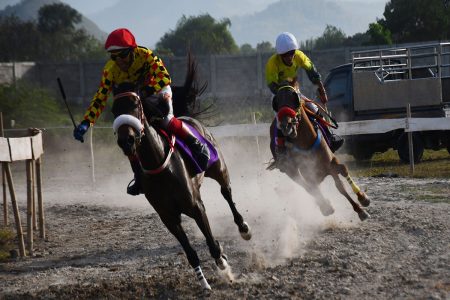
pixel 30 106
pixel 18 40
pixel 416 20
pixel 52 38
pixel 379 35
pixel 247 49
pixel 332 37
pixel 60 39
pixel 264 47
pixel 57 17
pixel 202 34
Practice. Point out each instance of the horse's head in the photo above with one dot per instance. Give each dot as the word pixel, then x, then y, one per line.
pixel 288 104
pixel 128 122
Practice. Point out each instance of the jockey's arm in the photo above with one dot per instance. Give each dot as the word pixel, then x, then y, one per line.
pixel 98 102
pixel 315 78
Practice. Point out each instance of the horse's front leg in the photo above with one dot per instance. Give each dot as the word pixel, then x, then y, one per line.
pixel 199 215
pixel 342 170
pixel 173 223
pixel 324 204
pixel 363 215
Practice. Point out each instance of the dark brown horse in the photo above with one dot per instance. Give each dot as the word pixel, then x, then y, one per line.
pixel 309 159
pixel 170 182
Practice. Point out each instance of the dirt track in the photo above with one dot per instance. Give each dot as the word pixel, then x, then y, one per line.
pixel 104 244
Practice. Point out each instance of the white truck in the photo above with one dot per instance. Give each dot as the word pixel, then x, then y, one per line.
pixel 380 83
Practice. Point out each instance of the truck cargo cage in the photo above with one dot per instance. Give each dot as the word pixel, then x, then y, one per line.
pixel 414 62
pixel 394 77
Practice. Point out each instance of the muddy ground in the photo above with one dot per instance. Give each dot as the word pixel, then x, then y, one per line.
pixel 102 243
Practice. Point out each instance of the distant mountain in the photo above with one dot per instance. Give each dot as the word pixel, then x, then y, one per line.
pixel 305 19
pixel 251 21
pixel 27 10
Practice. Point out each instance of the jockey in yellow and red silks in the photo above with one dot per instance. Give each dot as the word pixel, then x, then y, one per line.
pixel 282 68
pixel 140 67
pixel 128 63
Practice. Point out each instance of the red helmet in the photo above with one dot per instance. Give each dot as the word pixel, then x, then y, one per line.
pixel 120 38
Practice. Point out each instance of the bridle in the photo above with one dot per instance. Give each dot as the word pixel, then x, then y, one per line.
pixel 286 111
pixel 139 125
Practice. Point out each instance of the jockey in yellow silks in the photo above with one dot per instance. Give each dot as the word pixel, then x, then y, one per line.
pixel 281 69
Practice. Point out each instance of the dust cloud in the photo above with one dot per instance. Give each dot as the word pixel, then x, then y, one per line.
pixel 282 215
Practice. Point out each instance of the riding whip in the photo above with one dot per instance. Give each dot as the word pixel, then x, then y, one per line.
pixel 65 101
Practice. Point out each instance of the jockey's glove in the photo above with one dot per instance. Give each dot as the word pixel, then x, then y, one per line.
pixel 80 130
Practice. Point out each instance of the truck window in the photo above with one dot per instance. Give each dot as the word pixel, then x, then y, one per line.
pixel 337 86
pixel 339 94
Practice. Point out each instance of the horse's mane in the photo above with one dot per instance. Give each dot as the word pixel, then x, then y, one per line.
pixel 185 97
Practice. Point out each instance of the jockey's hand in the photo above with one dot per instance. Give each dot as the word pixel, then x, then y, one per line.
pixel 81 130
pixel 322 93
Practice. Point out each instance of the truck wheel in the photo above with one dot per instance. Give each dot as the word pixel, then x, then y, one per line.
pixel 362 154
pixel 403 148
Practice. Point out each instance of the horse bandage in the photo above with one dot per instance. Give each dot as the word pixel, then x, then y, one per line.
pixel 355 188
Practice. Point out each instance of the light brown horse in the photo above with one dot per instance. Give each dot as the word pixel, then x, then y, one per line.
pixel 309 159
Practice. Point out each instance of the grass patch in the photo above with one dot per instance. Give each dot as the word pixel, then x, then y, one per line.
pixel 6 243
pixel 434 164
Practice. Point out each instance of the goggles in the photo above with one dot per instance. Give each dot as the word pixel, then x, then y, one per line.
pixel 288 54
pixel 120 54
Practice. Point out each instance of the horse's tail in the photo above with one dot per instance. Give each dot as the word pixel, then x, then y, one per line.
pixel 185 96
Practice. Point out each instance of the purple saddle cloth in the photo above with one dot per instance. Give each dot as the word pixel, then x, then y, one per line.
pixel 213 156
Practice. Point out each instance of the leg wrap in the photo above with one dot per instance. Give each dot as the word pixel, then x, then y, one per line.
pixel 355 188
pixel 201 278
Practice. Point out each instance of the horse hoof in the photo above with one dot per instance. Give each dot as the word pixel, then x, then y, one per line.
pixel 363 215
pixel 221 262
pixel 245 231
pixel 205 285
pixel 326 210
pixel 363 199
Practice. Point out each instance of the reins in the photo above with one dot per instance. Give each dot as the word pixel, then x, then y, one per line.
pixel 142 119
pixel 303 99
pixel 166 161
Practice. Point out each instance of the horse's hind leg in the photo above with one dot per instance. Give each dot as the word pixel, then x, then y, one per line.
pixel 342 169
pixel 173 223
pixel 244 229
pixel 358 209
pixel 220 173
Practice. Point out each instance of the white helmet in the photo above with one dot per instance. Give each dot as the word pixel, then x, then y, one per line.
pixel 286 42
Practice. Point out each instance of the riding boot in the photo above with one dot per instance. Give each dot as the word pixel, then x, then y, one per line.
pixel 199 151
pixel 335 140
pixel 135 188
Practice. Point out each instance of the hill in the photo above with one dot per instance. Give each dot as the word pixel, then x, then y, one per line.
pixel 305 19
pixel 251 22
pixel 27 10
